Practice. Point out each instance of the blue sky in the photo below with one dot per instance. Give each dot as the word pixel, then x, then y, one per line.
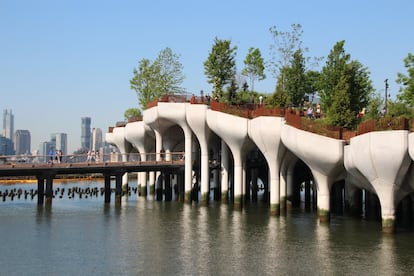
pixel 63 60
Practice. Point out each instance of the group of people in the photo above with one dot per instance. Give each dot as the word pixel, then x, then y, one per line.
pixel 92 156
pixel 55 156
pixel 311 114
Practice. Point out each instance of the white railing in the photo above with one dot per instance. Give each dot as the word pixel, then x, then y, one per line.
pixel 90 158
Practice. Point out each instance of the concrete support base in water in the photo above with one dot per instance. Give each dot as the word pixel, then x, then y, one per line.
pixel 323 215
pixel 118 188
pixel 49 190
pixel 107 188
pixel 152 189
pixel 238 202
pixel 204 199
pixel 40 190
pixel 187 197
pixel 282 207
pixel 275 209
pixel 224 198
pixel 388 225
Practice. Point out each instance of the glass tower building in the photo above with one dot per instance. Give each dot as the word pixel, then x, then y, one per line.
pixel 22 141
pixel 86 133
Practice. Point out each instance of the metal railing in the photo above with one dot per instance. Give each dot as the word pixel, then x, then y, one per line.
pixel 91 158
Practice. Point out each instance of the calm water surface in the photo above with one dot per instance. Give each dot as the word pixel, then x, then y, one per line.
pixel 146 237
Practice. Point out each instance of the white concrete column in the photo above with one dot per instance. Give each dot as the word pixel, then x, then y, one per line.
pixel 188 164
pixel 289 185
pixel 323 185
pixel 238 179
pixel 283 191
pixel 205 177
pixel 158 149
pixel 224 171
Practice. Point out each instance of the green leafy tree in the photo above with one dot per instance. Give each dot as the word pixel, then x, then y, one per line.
pixel 311 83
pixel 282 50
pixel 338 69
pixel 374 104
pixel 341 114
pixel 154 79
pixel 144 82
pixel 279 98
pixel 220 66
pixel 254 66
pixel 406 92
pixel 285 44
pixel 295 79
pixel 132 112
pixel 232 91
pixel 170 76
pixel 398 108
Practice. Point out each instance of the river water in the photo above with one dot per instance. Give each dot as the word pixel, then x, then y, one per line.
pixel 144 237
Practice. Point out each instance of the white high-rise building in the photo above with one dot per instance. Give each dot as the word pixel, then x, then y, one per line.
pixel 96 139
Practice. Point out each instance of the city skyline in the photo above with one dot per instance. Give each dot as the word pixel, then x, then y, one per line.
pixel 20 139
pixel 65 60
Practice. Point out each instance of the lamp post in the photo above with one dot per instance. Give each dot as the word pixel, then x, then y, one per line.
pixel 386 95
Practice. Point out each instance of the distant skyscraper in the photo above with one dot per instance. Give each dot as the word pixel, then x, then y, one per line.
pixel 96 139
pixel 8 124
pixel 61 142
pixel 6 146
pixel 22 141
pixel 86 133
pixel 44 149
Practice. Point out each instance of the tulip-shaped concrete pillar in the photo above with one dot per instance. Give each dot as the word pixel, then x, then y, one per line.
pixel 142 138
pixel 235 137
pixel 176 113
pixel 117 138
pixel 323 155
pixel 265 133
pixel 382 158
pixel 196 118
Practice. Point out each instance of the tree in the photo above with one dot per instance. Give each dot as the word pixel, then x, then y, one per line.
pixel 338 69
pixel 170 75
pixel 280 97
pixel 285 44
pixel 296 84
pixel 374 105
pixel 163 76
pixel 254 67
pixel 132 112
pixel 220 66
pixel 232 91
pixel 341 114
pixel 406 92
pixel 144 82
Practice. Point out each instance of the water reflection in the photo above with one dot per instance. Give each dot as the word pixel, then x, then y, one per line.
pixel 146 237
